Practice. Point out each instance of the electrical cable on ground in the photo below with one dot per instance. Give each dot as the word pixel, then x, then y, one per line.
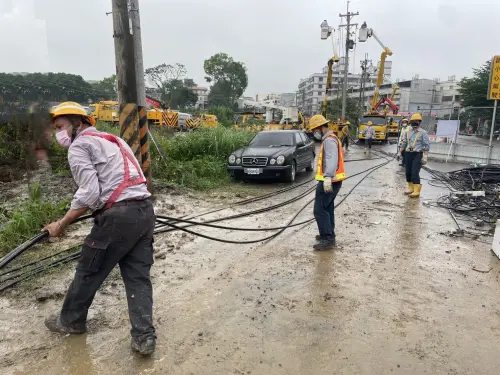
pixel 43 235
pixel 281 229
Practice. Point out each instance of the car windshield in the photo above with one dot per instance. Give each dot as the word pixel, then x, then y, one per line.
pixel 374 120
pixel 272 140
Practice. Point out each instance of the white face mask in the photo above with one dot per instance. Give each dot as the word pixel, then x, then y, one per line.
pixel 63 138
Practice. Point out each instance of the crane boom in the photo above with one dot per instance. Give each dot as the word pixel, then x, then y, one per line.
pixel 333 60
pixel 329 79
pixel 364 34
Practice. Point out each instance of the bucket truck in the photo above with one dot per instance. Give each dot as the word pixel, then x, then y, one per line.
pixel 378 120
pixel 326 32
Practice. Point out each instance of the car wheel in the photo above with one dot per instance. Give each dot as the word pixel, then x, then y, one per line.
pixel 290 176
pixel 310 168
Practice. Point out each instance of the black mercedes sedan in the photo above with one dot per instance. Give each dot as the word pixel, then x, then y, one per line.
pixel 271 154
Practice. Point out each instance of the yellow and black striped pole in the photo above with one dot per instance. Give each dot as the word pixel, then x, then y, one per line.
pixel 129 130
pixel 145 159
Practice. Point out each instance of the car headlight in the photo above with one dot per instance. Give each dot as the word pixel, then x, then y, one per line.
pixel 238 161
pixel 232 159
pixel 272 161
pixel 280 160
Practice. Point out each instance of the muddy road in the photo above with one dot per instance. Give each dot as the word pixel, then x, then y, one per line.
pixel 396 297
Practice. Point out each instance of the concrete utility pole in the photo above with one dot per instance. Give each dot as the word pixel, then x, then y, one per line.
pixel 135 19
pixel 130 81
pixel 364 77
pixel 348 44
pixel 124 53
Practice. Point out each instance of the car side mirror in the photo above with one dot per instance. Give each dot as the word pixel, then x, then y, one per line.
pixel 301 144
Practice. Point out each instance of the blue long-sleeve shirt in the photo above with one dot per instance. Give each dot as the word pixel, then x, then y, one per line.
pixel 369 133
pixel 415 140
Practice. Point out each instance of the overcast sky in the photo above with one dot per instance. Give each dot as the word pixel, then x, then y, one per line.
pixel 278 40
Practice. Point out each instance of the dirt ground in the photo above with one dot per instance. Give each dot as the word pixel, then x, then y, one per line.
pixel 396 297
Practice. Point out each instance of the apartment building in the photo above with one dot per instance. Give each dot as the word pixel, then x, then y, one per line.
pixel 311 90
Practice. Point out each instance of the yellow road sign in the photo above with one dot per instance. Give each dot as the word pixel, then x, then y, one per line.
pixel 494 85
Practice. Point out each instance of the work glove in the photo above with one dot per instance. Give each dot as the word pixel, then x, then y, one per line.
pixel 424 158
pixel 397 158
pixel 327 185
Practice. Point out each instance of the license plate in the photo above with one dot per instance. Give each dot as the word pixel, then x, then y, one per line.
pixel 253 170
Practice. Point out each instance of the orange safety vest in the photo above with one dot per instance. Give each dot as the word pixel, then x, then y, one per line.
pixel 340 174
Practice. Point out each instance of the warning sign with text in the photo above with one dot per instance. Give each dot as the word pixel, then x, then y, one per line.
pixel 494 86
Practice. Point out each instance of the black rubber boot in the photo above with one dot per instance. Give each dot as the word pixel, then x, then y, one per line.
pixel 53 323
pixel 324 245
pixel 144 347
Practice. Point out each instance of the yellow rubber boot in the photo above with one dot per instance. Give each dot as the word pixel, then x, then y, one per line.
pixel 416 191
pixel 410 188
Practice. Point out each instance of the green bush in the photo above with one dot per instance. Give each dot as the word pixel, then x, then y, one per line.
pixel 28 218
pixel 197 159
pixel 225 115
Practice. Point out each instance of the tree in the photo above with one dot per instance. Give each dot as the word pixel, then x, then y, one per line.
pixel 473 93
pixel 168 81
pixel 334 110
pixel 177 95
pixel 189 82
pixel 107 87
pixel 46 87
pixel 229 79
pixel 473 90
pixel 218 94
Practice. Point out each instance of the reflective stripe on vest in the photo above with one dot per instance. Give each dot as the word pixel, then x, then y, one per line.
pixel 127 180
pixel 340 174
pixel 408 137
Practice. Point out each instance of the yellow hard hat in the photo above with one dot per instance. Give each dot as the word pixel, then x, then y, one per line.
pixel 316 121
pixel 347 123
pixel 369 123
pixel 71 108
pixel 405 119
pixel 416 117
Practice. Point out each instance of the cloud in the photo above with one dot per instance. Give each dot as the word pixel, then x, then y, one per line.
pixel 278 40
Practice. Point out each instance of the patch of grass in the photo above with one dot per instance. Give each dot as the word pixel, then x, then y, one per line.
pixel 27 220
pixel 198 159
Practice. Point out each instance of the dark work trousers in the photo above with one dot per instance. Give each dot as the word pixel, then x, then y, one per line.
pixel 369 143
pixel 413 163
pixel 121 235
pixel 324 210
pixel 345 142
pixel 403 158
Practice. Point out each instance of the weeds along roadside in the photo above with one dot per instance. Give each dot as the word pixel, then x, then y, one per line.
pixel 196 160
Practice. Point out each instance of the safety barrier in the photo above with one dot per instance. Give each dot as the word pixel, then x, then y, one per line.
pixel 193 122
pixel 461 153
pixel 170 118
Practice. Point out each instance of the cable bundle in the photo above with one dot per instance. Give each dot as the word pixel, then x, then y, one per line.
pixel 466 185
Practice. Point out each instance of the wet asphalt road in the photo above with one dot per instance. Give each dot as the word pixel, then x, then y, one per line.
pixel 396 297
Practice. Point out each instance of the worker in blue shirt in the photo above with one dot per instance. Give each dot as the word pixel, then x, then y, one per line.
pixel 415 144
pixel 369 134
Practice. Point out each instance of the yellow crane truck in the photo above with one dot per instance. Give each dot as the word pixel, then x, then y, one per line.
pixel 378 120
pixel 107 111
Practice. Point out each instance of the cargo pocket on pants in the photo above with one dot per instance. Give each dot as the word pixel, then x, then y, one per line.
pixel 92 254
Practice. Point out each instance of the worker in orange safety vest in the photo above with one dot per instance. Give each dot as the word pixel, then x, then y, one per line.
pixel 329 174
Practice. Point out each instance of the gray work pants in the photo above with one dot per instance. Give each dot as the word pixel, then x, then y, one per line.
pixel 121 235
